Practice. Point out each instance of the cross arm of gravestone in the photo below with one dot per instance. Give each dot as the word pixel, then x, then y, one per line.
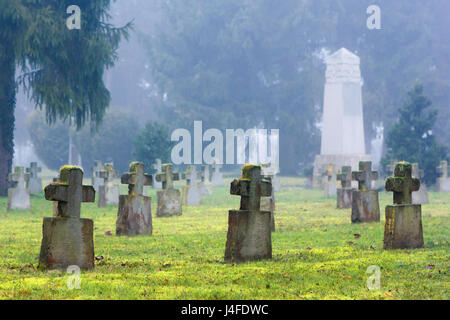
pixel 402 188
pixel 59 192
pixel 242 187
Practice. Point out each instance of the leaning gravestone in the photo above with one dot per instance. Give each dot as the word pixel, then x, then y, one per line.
pixel 217 176
pixel 34 183
pixel 329 187
pixel 191 192
pixel 205 184
pixel 158 168
pixel 169 199
pixel 134 216
pixel 109 192
pixel 420 196
pixel 403 226
pixel 365 205
pixel 249 229
pixel 19 195
pixel 344 193
pixel 97 181
pixel 67 239
pixel 443 182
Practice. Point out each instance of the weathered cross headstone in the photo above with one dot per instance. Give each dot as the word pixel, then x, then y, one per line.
pixel 158 169
pixel 191 192
pixel 249 229
pixel 34 182
pixel 169 199
pixel 344 193
pixel 67 239
pixel 365 205
pixel 97 181
pixel 19 195
pixel 420 196
pixel 271 170
pixel 205 184
pixel 108 193
pixel 329 187
pixel 403 226
pixel 217 176
pixel 268 203
pixel 134 216
pixel 443 182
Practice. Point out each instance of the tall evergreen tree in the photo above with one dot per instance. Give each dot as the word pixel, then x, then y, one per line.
pixel 62 69
pixel 411 138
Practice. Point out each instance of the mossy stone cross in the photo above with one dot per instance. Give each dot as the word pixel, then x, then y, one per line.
pixel 167 177
pixel 365 175
pixel 69 192
pixel 136 179
pixel 345 177
pixel 19 177
pixel 402 184
pixel 251 187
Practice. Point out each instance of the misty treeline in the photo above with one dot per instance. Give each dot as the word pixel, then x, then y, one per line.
pixel 246 63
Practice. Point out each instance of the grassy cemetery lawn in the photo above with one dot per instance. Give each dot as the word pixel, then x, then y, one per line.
pixel 317 254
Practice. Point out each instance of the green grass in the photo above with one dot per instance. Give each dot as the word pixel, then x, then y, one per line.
pixel 315 254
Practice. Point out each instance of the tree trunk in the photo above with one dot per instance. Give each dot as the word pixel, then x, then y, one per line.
pixel 7 106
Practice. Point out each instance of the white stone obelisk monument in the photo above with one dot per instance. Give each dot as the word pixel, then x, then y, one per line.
pixel 342 123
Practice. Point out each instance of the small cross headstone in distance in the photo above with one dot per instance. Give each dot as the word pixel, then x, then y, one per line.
pixel 169 199
pixel 134 215
pixel 365 204
pixel 420 196
pixel 403 226
pixel 329 182
pixel 68 239
pixel 191 192
pixel 34 183
pixel 344 194
pixel 19 195
pixel 249 229
pixel 158 169
pixel 443 182
pixel 108 193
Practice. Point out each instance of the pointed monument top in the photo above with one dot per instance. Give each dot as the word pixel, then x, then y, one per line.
pixel 343 56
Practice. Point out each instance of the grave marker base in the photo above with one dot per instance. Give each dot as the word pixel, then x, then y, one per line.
pixel 248 237
pixel 134 216
pixel 403 227
pixel 67 242
pixel 169 203
pixel 344 198
pixel 18 199
pixel 365 206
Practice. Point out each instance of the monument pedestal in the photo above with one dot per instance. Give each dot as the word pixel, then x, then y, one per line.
pixel 344 198
pixel 365 206
pixel 339 161
pixel 403 227
pixel 18 199
pixel 67 242
pixel 169 203
pixel 134 216
pixel 249 236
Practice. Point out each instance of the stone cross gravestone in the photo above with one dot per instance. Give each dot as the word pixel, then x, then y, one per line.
pixel 169 199
pixel 97 181
pixel 443 182
pixel 271 170
pixel 191 192
pixel 108 193
pixel 158 168
pixel 205 184
pixel 403 226
pixel 34 182
pixel 391 167
pixel 365 205
pixel 67 239
pixel 217 176
pixel 19 195
pixel 329 187
pixel 249 229
pixel 420 196
pixel 134 216
pixel 344 193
